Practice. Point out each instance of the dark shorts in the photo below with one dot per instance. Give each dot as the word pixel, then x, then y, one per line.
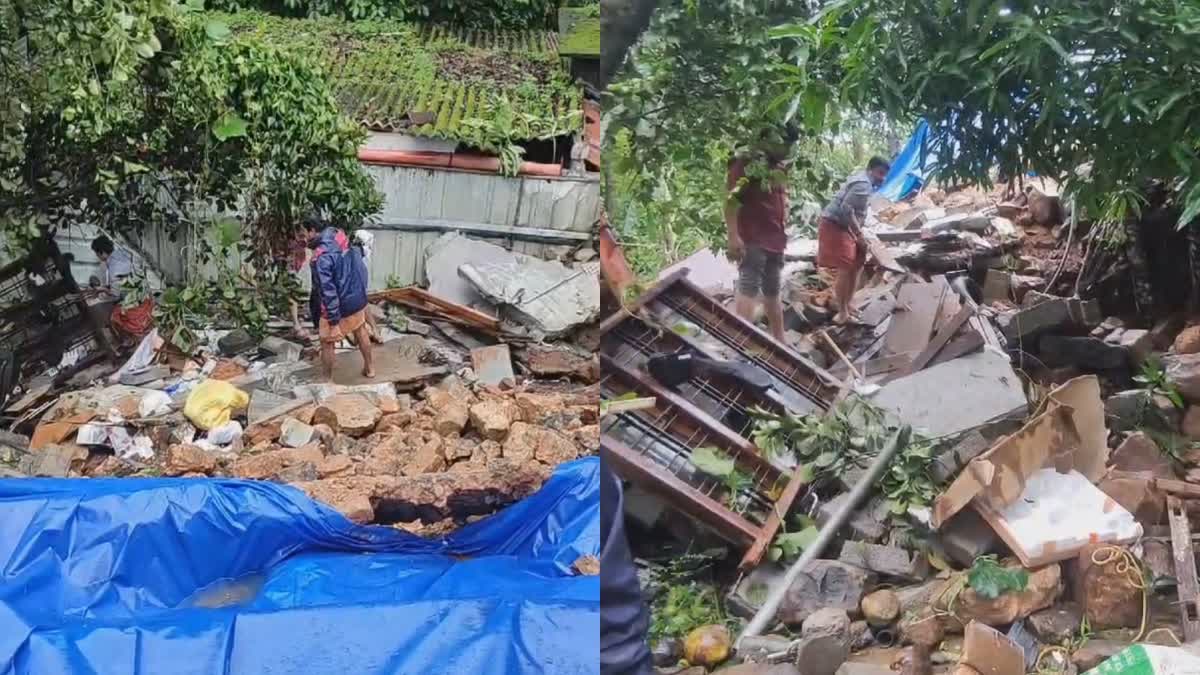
pixel 759 272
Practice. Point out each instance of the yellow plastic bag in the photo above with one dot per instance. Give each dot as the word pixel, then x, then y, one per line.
pixel 213 402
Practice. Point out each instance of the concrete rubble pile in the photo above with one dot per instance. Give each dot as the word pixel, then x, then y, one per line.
pixel 1065 455
pixel 466 414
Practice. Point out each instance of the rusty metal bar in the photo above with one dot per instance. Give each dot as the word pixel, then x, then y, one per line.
pixel 632 341
pixel 629 464
pixel 644 299
pixel 691 419
pixel 1185 569
pixel 687 299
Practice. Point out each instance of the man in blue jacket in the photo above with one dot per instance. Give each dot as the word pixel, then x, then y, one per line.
pixel 339 294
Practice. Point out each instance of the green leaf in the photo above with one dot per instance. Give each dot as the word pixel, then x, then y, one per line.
pixel 145 50
pixel 229 125
pixel 217 31
pixel 794 543
pixel 825 459
pixel 1170 101
pixel 1192 209
pixel 991 580
pixel 713 462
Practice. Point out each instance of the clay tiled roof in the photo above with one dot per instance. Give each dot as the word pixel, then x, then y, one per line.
pixel 434 81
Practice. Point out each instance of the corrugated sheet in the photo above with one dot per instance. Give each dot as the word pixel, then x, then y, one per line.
pixel 536 216
pixel 422 204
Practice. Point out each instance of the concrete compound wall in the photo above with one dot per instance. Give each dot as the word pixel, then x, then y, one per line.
pixel 537 216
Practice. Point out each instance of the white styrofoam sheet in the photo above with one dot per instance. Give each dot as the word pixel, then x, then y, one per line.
pixel 1060 513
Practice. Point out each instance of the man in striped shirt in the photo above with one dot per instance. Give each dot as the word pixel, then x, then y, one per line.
pixel 840 241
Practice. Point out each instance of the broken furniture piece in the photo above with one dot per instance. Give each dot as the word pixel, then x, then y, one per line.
pixel 705 378
pixel 423 301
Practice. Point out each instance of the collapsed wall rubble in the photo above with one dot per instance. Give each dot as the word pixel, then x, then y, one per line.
pixel 1064 450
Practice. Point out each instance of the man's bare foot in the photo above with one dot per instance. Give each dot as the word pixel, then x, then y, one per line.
pixel 368 372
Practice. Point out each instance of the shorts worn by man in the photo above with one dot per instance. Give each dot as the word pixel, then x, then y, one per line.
pixel 756 219
pixel 841 244
pixel 339 296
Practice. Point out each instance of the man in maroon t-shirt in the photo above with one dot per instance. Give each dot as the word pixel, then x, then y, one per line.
pixel 756 220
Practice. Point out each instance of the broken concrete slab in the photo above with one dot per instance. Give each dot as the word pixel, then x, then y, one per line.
pixel 886 560
pixel 712 272
pixel 952 397
pixel 1138 343
pixel 868 523
pixel 966 536
pixel 916 311
pixel 1085 352
pixel 493 364
pixel 288 351
pixel 452 250
pixel 561 360
pixel 824 584
pixel 1035 320
pixel 949 463
pixel 546 296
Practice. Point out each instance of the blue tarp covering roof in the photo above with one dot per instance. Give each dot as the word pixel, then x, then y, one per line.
pixel 911 168
pixel 102 576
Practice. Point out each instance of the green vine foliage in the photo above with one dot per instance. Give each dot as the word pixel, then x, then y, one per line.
pixel 704 83
pixel 845 440
pixel 140 113
pixel 488 90
pixel 1041 86
pixel 471 13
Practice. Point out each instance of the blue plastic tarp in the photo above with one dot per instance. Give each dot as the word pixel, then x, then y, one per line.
pixel 910 168
pixel 115 576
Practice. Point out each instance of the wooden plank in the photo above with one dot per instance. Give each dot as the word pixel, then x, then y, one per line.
pixel 1185 569
pixel 423 300
pixel 1178 488
pixel 966 343
pixel 879 366
pixel 767 533
pixel 657 480
pixel 880 252
pixel 940 339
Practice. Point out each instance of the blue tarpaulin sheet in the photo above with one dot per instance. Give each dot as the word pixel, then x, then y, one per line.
pixel 117 576
pixel 910 168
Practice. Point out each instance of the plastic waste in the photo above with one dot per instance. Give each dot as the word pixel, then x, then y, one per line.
pixel 213 402
pixel 225 434
pixel 154 403
pixel 1150 660
pixel 142 357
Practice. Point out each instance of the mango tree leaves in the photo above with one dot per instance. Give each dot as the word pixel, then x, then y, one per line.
pixel 229 125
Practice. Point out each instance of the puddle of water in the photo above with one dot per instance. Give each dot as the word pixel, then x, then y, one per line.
pixel 227 592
